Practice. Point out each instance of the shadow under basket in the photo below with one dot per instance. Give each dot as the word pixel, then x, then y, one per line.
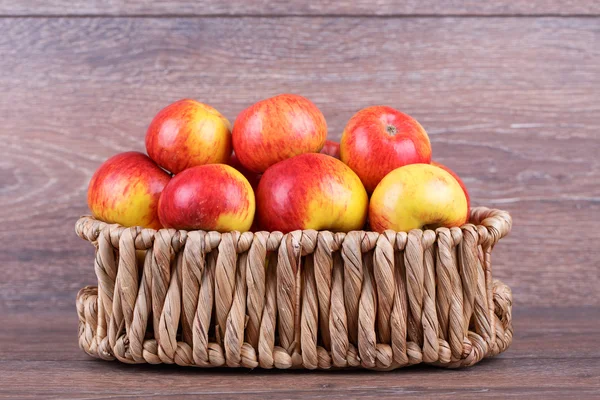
pixel 306 299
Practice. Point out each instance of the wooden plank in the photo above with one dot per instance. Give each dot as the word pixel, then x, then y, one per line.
pixel 513 109
pixel 553 356
pixel 556 379
pixel 540 333
pixel 283 7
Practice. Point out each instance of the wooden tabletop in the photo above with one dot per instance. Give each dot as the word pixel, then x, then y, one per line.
pixel 509 92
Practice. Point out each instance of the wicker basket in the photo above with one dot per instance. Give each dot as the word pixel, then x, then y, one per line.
pixel 307 299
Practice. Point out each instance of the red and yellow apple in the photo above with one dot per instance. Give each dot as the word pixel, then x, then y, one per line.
pixel 311 191
pixel 460 182
pixel 278 128
pixel 125 190
pixel 188 133
pixel 332 149
pixel 213 197
pixel 380 139
pixel 417 196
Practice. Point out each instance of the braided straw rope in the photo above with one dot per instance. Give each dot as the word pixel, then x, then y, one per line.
pixel 307 299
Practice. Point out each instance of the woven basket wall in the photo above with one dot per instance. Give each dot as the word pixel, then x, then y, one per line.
pixel 307 299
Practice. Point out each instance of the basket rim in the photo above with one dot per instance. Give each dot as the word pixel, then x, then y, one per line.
pixel 496 223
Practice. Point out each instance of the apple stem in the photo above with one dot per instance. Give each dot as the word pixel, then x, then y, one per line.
pixel 391 129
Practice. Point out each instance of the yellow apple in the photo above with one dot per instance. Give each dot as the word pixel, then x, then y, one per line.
pixel 417 196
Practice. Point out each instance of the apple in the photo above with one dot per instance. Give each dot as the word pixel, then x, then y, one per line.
pixel 460 182
pixel 277 128
pixel 125 190
pixel 188 133
pixel 253 177
pixel 213 197
pixel 311 191
pixel 331 148
pixel 380 139
pixel 417 196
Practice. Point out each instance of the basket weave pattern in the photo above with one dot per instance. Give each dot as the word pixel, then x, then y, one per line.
pixel 306 299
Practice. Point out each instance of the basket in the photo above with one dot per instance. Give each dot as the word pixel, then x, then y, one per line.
pixel 306 299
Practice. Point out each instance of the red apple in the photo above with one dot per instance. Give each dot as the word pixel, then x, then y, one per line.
pixel 380 139
pixel 311 191
pixel 252 177
pixel 214 197
pixel 417 196
pixel 278 128
pixel 125 190
pixel 188 133
pixel 332 149
pixel 460 182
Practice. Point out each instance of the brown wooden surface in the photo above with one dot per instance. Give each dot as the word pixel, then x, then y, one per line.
pixel 547 360
pixel 511 103
pixel 309 8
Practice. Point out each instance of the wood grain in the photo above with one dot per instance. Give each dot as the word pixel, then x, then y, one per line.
pixel 296 7
pixel 554 355
pixel 550 333
pixel 491 379
pixel 511 104
pixel 512 109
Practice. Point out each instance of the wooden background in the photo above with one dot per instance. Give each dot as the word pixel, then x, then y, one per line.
pixel 509 92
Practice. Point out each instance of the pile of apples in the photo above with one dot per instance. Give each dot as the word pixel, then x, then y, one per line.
pixel 276 171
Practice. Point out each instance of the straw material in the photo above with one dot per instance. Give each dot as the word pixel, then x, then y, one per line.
pixel 307 299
